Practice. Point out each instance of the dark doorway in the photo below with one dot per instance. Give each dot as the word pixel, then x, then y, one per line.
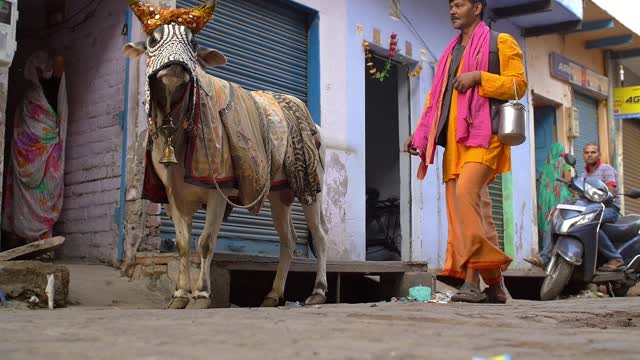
pixel 383 175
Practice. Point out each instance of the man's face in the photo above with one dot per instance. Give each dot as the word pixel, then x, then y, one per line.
pixel 463 13
pixel 591 155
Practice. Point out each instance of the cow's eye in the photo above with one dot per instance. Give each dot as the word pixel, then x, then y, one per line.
pixel 153 41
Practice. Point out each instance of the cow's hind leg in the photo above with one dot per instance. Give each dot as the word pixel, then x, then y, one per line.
pixel 315 220
pixel 281 213
pixel 182 222
pixel 216 206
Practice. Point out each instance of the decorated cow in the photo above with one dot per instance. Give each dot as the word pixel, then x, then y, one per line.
pixel 213 144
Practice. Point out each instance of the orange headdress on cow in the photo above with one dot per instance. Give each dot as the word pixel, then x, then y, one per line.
pixel 152 17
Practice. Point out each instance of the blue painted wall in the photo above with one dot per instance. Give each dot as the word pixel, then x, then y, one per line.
pixel 343 120
pixel 431 20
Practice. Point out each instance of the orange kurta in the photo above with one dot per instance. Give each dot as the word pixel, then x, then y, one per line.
pixel 472 242
pixel 497 156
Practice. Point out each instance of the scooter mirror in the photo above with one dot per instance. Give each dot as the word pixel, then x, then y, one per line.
pixel 634 194
pixel 570 159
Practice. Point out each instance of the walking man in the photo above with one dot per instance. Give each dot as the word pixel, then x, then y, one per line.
pixel 476 73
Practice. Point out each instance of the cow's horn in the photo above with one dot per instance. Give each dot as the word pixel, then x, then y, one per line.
pixel 143 12
pixel 211 4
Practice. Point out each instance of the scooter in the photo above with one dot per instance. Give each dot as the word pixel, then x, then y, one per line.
pixel 575 232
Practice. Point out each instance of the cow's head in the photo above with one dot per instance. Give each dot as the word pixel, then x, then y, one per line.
pixel 172 52
pixel 173 56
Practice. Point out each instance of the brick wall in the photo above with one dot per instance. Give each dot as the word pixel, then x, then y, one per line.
pixel 95 78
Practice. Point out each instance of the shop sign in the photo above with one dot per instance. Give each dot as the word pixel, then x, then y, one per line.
pixel 626 102
pixel 579 76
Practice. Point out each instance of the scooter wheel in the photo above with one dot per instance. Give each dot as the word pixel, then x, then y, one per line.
pixel 556 280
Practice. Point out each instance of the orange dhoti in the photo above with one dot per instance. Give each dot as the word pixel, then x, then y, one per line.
pixel 473 240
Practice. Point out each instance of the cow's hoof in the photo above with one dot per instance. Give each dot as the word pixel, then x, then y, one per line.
pixel 316 299
pixel 270 302
pixel 199 303
pixel 178 303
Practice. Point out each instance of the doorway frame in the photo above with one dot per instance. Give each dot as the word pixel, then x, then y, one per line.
pixel 405 126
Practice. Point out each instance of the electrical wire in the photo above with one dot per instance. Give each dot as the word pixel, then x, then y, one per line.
pixel 89 9
pixel 90 14
pixel 417 34
pixel 82 8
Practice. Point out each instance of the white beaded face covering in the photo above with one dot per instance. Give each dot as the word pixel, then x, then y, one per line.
pixel 169 45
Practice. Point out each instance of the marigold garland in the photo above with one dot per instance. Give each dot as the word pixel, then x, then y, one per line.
pixel 373 71
pixel 417 71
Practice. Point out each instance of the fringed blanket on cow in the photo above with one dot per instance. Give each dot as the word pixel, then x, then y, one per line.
pixel 241 139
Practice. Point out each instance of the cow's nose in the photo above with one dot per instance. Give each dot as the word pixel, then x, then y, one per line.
pixel 173 75
pixel 169 71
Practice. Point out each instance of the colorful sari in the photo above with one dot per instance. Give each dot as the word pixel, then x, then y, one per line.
pixel 34 188
pixel 550 191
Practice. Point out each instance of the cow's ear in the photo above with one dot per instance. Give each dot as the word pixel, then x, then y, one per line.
pixel 134 50
pixel 210 58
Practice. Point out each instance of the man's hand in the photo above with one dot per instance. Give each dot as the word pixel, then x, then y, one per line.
pixel 466 81
pixel 410 149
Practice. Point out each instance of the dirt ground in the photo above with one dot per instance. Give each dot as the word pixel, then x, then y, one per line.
pixel 111 322
pixel 99 286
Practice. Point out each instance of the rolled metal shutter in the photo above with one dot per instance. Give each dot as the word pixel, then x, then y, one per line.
pixel 243 232
pixel 588 119
pixel 630 156
pixel 265 42
pixel 495 192
pixel 266 45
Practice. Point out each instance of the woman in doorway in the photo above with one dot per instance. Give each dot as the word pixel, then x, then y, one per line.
pixel 34 187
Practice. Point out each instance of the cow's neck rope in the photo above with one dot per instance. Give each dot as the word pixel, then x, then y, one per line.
pixel 266 139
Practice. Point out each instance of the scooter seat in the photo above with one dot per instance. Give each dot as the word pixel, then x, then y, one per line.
pixel 621 232
pixel 629 219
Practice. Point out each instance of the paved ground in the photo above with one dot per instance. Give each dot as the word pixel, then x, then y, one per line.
pixel 114 326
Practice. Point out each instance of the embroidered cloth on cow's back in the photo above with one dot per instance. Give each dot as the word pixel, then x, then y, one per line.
pixel 228 142
pixel 227 107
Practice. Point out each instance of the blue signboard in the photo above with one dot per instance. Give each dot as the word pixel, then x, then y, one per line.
pixel 579 76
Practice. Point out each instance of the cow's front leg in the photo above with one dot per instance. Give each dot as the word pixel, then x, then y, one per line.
pixel 182 293
pixel 216 206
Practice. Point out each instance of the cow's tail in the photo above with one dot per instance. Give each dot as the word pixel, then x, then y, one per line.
pixel 322 151
pixel 322 148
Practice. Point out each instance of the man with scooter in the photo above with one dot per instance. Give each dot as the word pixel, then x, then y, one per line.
pixel 607 174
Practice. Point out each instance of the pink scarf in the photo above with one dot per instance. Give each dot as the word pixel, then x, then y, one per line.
pixel 474 116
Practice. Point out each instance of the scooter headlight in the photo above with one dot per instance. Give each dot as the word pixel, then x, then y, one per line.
pixel 566 217
pixel 585 218
pixel 594 194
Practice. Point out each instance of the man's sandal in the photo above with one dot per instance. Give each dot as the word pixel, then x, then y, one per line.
pixel 493 297
pixel 469 294
pixel 535 261
pixel 611 268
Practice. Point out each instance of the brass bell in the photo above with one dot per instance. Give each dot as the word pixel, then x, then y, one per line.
pixel 169 156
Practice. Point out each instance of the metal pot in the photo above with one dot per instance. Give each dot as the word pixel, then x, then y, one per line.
pixel 513 122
